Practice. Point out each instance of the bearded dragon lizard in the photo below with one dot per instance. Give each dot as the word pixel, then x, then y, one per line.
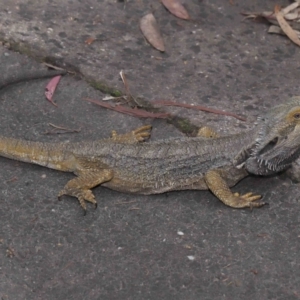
pixel 128 164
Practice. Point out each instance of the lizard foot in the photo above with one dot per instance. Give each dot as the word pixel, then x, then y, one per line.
pixel 81 194
pixel 142 133
pixel 207 132
pixel 216 183
pixel 138 135
pixel 80 187
pixel 247 199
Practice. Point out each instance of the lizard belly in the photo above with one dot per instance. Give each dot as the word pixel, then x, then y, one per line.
pixel 155 187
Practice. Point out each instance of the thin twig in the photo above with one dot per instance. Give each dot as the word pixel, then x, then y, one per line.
pixel 198 107
pixel 129 202
pixel 66 130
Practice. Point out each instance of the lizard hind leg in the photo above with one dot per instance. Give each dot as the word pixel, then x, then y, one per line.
pixel 80 187
pixel 219 187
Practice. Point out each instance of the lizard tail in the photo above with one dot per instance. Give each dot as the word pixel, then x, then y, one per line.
pixel 43 154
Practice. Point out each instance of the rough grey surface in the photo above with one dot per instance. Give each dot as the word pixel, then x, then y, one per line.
pixel 219 59
pixel 131 246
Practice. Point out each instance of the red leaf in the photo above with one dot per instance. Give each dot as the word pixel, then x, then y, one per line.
pixel 51 87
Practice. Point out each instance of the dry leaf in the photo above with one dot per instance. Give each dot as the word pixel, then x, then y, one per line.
pixel 290 7
pixel 291 16
pixel 176 8
pixel 89 40
pixel 51 87
pixel 288 19
pixel 286 28
pixel 276 29
pixel 151 32
pixel 254 15
pixel 249 15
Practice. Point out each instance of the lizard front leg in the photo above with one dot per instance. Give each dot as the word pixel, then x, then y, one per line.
pixel 132 137
pixel 80 187
pixel 219 187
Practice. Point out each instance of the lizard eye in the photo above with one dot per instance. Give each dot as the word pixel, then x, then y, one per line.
pixel 297 116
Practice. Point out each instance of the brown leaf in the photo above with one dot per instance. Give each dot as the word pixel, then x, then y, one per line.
pixel 254 15
pixel 290 7
pixel 286 28
pixel 176 8
pixel 151 32
pixel 276 29
pixel 51 87
pixel 291 16
pixel 89 40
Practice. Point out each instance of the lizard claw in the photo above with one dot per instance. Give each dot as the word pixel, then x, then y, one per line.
pixel 82 195
pixel 256 204
pixel 138 135
pixel 249 199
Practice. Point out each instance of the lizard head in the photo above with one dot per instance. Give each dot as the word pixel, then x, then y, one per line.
pixel 278 141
